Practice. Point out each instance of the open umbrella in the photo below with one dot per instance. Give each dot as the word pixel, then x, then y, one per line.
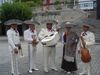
pixel 31 22
pixel 67 23
pixel 49 21
pixel 13 21
pixel 90 22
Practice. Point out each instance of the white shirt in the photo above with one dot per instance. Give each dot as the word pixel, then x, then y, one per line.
pixel 89 38
pixel 29 35
pixel 45 32
pixel 13 37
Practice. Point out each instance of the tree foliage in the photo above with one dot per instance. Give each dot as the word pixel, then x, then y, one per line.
pixel 15 11
pixel 32 3
pixel 57 4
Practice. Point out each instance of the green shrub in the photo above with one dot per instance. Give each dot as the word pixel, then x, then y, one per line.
pixel 15 11
pixel 32 3
pixel 57 4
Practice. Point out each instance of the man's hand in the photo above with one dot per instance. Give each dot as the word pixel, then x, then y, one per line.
pixel 34 42
pixel 15 50
pixel 44 43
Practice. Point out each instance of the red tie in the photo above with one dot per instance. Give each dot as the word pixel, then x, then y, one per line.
pixel 32 31
pixel 84 33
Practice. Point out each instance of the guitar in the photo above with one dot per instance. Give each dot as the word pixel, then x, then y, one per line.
pixel 50 39
pixel 85 54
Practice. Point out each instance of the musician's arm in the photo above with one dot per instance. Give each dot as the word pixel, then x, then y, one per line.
pixel 41 34
pixel 62 39
pixel 10 41
pixel 79 45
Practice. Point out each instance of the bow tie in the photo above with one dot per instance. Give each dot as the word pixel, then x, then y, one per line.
pixel 84 33
pixel 32 31
pixel 16 30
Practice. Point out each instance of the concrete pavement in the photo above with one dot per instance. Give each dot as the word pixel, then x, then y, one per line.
pixel 5 60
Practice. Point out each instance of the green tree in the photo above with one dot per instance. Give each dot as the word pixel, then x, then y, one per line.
pixel 57 4
pixel 15 11
pixel 32 3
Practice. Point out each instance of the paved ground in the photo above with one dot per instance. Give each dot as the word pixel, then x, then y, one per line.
pixel 5 60
pixel 23 64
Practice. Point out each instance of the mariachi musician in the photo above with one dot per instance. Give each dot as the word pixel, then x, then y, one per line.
pixel 14 46
pixel 48 51
pixel 89 40
pixel 30 36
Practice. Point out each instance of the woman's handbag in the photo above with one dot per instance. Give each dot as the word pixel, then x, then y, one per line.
pixel 85 54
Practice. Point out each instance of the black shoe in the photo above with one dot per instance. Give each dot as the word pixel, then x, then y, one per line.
pixel 12 74
pixel 30 71
pixel 35 69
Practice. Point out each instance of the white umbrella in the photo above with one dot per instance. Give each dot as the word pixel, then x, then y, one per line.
pixel 13 21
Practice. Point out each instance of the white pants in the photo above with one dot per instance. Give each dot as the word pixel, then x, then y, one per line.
pixel 49 52
pixel 14 63
pixel 87 66
pixel 32 56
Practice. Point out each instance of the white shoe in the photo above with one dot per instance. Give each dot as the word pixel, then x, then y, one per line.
pixel 35 69
pixel 64 71
pixel 68 72
pixel 30 71
pixel 82 73
pixel 54 68
pixel 45 70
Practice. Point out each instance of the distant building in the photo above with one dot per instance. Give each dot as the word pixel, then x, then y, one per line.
pixel 87 4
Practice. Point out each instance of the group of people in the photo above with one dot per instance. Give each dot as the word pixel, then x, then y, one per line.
pixel 70 41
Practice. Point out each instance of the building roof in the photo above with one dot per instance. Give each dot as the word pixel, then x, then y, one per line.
pixel 86 0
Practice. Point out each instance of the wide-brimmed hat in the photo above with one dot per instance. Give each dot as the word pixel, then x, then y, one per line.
pixel 29 22
pixel 52 22
pixel 66 24
pixel 86 25
pixel 49 23
pixel 13 21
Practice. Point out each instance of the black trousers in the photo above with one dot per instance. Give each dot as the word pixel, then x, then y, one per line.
pixel 66 65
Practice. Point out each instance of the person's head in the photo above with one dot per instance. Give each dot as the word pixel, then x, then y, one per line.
pixel 14 26
pixel 68 29
pixel 68 26
pixel 86 27
pixel 32 26
pixel 49 25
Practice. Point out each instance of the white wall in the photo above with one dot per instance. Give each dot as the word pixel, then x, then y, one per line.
pixel 84 0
